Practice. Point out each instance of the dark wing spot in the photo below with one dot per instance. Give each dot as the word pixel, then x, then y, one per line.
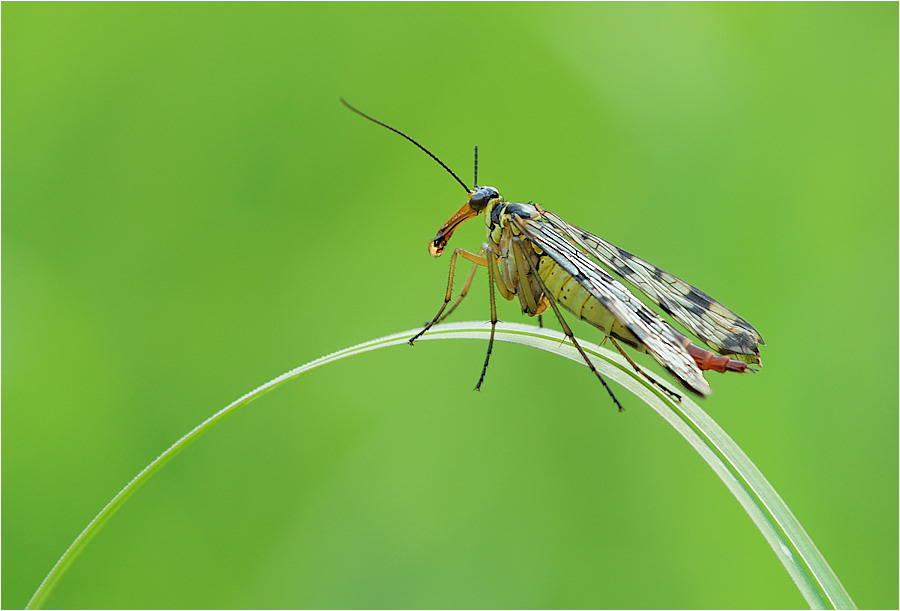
pixel 699 298
pixel 664 306
pixel 746 342
pixel 698 311
pixel 624 254
pixel 646 315
pixel 621 267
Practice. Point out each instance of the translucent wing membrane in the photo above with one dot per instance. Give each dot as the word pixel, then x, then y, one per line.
pixel 718 327
pixel 661 341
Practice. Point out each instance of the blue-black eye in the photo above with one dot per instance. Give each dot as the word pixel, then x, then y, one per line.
pixel 482 196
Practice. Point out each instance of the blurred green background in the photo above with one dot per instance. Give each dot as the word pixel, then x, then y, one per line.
pixel 188 211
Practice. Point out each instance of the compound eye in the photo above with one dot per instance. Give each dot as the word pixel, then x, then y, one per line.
pixel 481 197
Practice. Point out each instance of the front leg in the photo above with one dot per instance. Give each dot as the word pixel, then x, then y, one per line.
pixel 477 259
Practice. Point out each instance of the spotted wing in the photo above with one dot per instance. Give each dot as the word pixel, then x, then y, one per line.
pixel 661 341
pixel 718 327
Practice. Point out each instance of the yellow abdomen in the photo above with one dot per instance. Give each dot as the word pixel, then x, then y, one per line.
pixel 570 294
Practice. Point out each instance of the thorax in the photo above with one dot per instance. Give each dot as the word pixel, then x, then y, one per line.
pixel 500 227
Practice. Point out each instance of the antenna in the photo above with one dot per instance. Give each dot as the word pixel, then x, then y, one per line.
pixel 397 131
pixel 475 184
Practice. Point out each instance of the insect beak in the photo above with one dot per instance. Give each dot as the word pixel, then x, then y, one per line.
pixel 436 246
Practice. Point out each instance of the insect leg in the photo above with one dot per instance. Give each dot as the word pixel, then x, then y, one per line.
pixel 465 254
pixel 565 327
pixel 672 394
pixel 492 267
pixel 507 293
pixel 462 293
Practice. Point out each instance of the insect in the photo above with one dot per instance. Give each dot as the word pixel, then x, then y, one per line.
pixel 534 255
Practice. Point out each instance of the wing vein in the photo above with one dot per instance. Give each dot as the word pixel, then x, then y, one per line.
pixel 660 339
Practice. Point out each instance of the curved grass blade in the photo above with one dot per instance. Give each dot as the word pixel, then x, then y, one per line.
pixel 814 578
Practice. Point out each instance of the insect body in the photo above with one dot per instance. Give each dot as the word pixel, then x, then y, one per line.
pixel 534 255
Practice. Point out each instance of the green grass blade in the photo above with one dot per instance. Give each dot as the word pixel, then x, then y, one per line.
pixel 814 578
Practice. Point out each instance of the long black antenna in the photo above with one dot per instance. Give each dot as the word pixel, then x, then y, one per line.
pixel 475 184
pixel 397 131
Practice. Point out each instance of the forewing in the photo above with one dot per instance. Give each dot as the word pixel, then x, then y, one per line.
pixel 712 322
pixel 661 340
